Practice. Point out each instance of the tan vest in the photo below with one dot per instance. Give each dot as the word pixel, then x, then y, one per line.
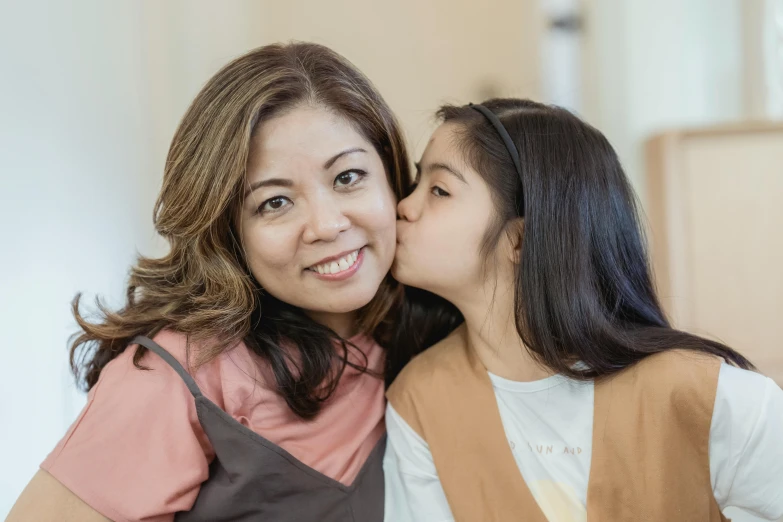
pixel 650 454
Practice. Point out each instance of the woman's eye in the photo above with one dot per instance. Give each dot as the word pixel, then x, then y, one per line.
pixel 349 178
pixel 439 192
pixel 275 204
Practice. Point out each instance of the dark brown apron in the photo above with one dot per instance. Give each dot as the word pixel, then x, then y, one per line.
pixel 252 478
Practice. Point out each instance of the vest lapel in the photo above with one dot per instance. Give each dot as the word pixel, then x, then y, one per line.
pixel 470 449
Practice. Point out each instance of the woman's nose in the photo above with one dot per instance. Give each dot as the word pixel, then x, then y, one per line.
pixel 326 221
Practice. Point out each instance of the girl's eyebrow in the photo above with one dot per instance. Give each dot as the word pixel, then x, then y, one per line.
pixel 440 166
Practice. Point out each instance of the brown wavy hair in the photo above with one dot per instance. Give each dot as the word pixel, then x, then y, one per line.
pixel 203 287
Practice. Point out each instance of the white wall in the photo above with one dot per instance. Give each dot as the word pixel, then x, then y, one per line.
pixel 91 93
pixel 651 66
pixel 763 58
pixel 77 184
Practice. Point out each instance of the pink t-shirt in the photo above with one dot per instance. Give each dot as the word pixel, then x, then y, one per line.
pixel 137 450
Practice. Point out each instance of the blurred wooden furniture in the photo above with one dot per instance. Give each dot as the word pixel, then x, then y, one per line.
pixel 715 208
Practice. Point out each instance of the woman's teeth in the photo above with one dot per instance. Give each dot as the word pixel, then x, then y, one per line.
pixel 340 265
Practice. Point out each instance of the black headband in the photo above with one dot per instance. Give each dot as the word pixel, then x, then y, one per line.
pixel 506 137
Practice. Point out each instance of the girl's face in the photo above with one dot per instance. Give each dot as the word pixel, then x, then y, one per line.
pixel 318 214
pixel 442 223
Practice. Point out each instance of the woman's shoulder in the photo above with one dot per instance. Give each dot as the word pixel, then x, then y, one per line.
pixel 232 364
pixel 188 352
pixel 130 412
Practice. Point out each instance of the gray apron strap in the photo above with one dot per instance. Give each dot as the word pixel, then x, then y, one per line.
pixel 148 343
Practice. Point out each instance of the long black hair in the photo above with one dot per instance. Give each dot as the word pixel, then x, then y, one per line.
pixel 583 288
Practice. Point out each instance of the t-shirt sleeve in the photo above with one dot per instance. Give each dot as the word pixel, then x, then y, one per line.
pixel 413 490
pixel 137 450
pixel 746 454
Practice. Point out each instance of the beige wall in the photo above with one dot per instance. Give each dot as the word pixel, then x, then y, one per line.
pixel 419 54
pixel 715 229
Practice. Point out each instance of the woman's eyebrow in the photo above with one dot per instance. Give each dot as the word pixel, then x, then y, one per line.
pixel 272 182
pixel 282 182
pixel 339 155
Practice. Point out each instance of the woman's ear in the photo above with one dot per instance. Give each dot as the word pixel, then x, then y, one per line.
pixel 514 234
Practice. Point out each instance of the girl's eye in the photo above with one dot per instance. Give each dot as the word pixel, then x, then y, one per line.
pixel 275 204
pixel 439 192
pixel 349 178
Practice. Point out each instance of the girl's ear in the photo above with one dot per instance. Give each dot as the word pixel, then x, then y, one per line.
pixel 514 233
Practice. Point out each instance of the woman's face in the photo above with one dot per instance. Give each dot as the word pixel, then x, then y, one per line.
pixel 443 221
pixel 318 215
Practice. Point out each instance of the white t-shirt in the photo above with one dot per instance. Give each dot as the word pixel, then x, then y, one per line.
pixel 549 426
